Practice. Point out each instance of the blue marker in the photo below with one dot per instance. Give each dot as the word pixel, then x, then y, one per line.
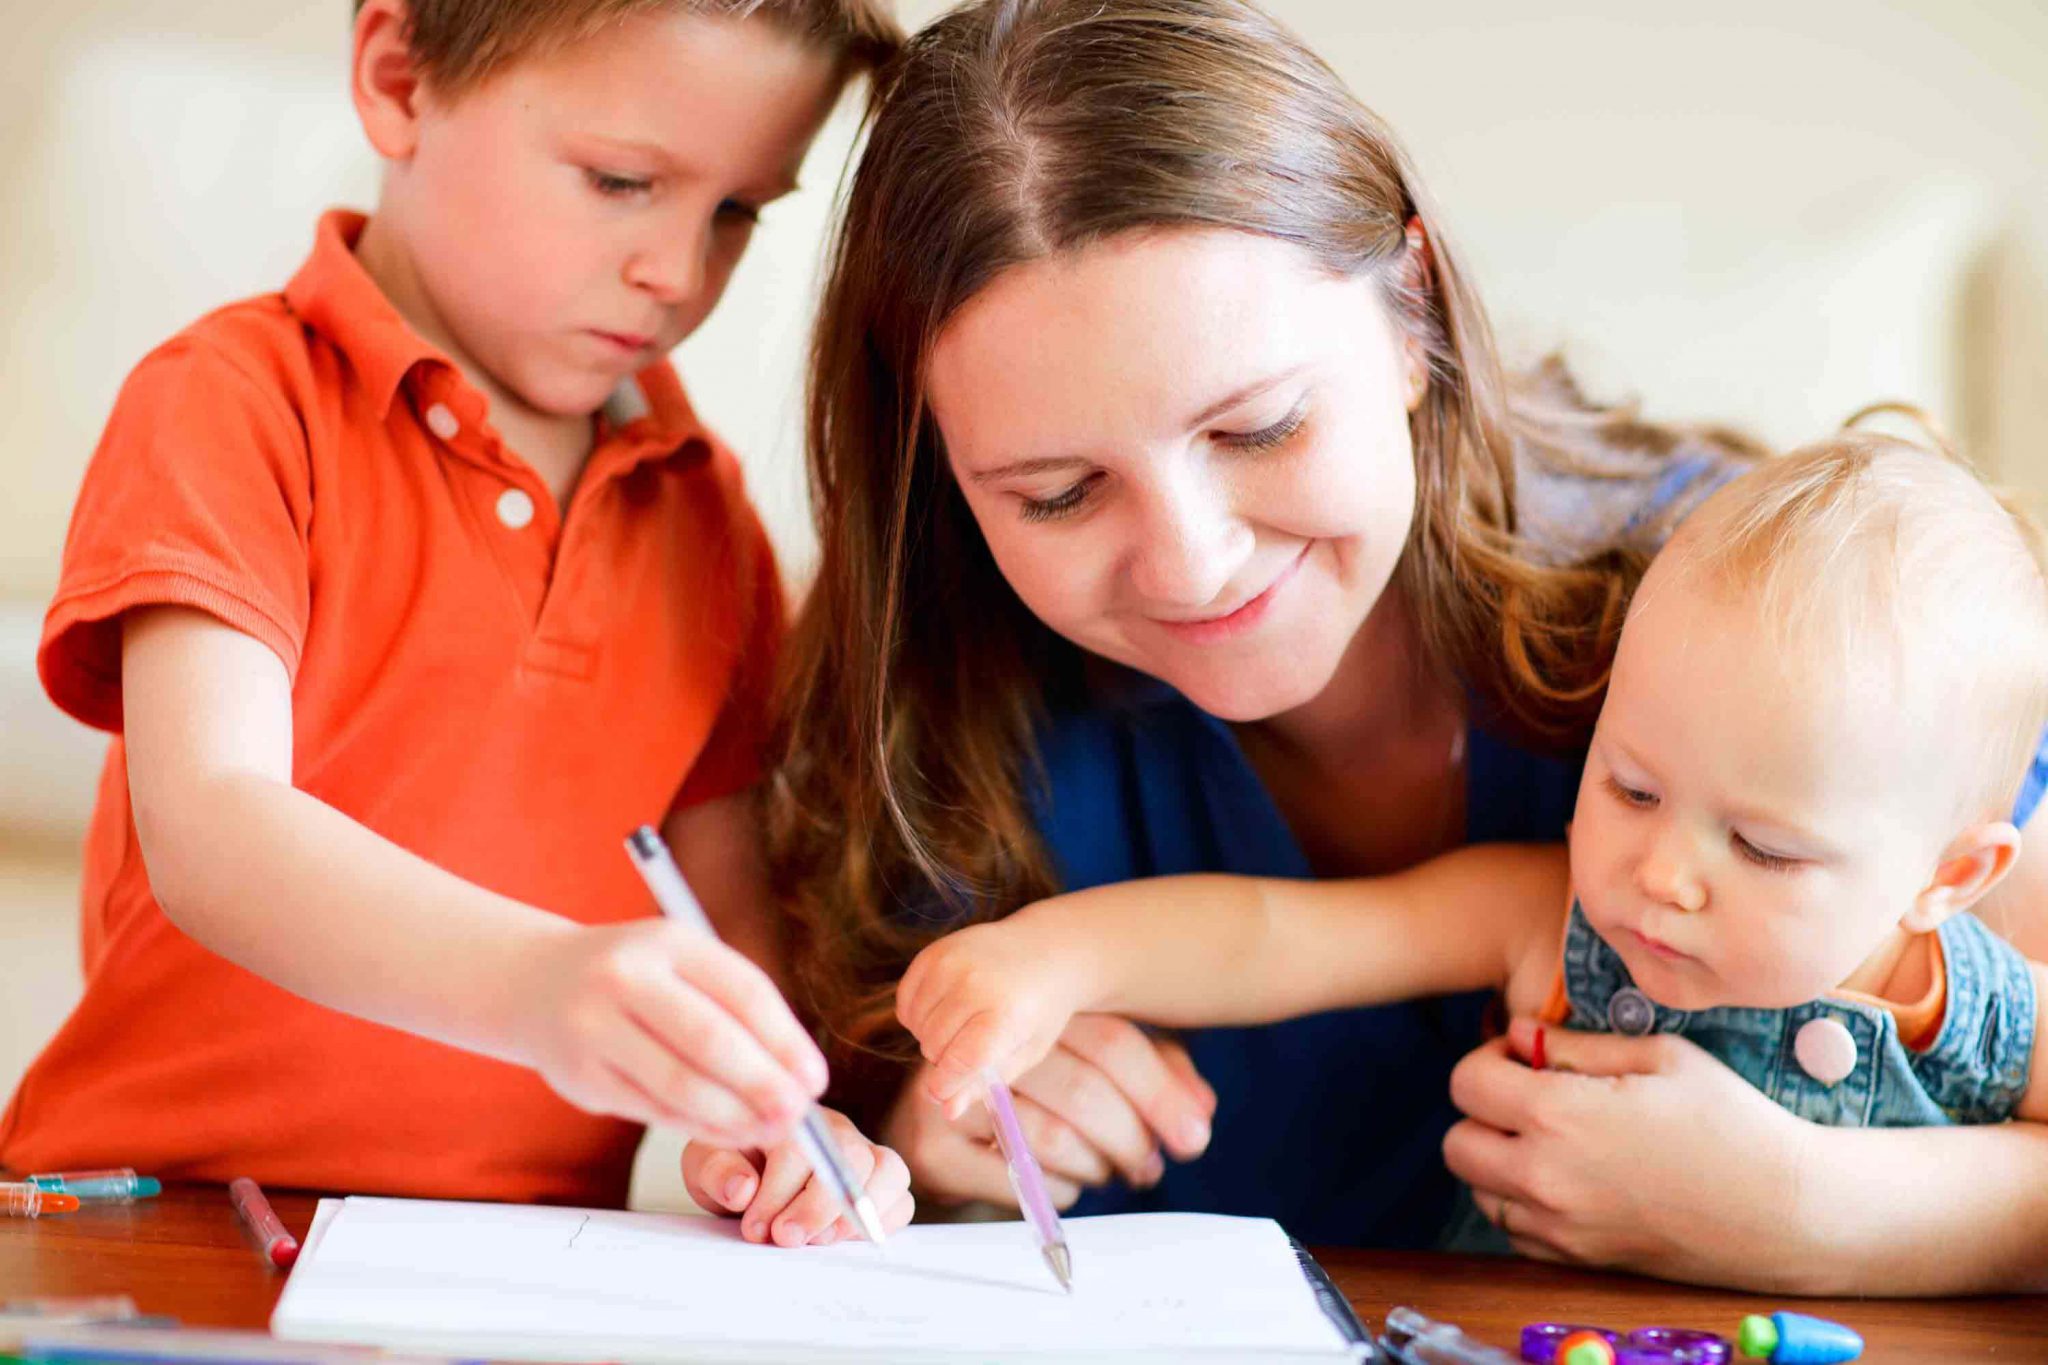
pixel 1796 1339
pixel 117 1186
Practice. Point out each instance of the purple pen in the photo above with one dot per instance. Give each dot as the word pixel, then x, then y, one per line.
pixel 1028 1181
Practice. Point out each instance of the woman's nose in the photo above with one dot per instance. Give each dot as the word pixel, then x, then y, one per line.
pixel 1191 546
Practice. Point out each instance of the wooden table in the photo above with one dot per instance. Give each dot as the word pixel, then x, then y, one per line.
pixel 185 1254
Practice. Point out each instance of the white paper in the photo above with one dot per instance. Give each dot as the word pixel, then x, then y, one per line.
pixel 585 1284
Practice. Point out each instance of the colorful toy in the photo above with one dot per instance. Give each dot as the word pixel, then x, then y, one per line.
pixel 1678 1345
pixel 1796 1339
pixel 1585 1348
pixel 1554 1343
pixel 1541 1341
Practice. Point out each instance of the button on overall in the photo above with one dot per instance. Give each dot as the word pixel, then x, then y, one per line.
pixel 1825 1050
pixel 1629 1011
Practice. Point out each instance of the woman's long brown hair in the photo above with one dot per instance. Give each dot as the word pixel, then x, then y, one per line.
pixel 1013 130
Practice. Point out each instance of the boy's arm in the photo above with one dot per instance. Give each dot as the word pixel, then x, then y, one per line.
pixel 644 1020
pixel 1217 950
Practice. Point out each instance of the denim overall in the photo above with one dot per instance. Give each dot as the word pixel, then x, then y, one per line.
pixel 1973 1071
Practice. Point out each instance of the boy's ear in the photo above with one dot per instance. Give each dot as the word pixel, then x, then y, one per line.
pixel 383 81
pixel 1974 861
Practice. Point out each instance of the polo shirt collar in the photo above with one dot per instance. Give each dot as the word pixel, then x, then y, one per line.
pixel 335 296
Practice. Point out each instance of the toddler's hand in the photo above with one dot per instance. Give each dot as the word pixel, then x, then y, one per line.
pixel 992 995
pixel 654 1022
pixel 777 1198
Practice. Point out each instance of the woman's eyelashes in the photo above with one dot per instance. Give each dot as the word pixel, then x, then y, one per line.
pixel 1272 437
pixel 1267 437
pixel 1060 504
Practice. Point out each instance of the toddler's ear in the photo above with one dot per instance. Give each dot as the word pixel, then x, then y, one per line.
pixel 1974 861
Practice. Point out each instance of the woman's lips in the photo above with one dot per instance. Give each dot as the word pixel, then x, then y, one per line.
pixel 1237 621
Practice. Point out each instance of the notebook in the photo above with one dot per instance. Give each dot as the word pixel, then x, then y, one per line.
pixel 519 1281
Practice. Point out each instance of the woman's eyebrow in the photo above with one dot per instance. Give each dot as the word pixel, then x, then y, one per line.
pixel 1020 468
pixel 1244 395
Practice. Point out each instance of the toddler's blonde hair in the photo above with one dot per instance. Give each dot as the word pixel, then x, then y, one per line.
pixel 1883 551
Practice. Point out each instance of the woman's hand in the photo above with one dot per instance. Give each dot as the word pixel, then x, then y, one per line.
pixel 1105 1102
pixel 995 996
pixel 777 1198
pixel 1640 1153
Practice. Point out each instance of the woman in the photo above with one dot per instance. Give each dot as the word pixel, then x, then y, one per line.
pixel 1176 515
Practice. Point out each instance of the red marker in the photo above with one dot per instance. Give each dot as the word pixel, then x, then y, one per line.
pixel 1537 1061
pixel 279 1246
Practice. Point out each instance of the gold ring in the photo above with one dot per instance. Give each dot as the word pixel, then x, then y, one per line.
pixel 1500 1219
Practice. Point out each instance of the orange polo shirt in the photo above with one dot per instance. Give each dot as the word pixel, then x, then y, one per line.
pixel 501 687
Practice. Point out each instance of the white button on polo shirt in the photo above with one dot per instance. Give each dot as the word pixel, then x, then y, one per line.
pixel 515 508
pixel 441 421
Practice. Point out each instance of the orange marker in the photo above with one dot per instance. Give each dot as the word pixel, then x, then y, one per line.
pixel 29 1201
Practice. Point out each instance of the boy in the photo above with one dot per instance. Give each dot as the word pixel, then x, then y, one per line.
pixel 1825 695
pixel 407 592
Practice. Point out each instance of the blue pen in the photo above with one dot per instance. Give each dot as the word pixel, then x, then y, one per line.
pixel 665 880
pixel 119 1185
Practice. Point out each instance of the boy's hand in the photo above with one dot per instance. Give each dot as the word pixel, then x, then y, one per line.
pixel 777 1198
pixel 992 995
pixel 652 1021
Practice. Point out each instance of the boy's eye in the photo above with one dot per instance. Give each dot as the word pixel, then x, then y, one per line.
pixel 1630 796
pixel 1763 857
pixel 740 210
pixel 1267 438
pixel 1059 504
pixel 617 186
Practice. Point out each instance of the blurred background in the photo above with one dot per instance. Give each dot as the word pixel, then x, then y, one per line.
pixel 1758 212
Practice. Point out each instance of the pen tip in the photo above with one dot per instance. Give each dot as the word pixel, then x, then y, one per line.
pixel 1062 1262
pixel 869 1220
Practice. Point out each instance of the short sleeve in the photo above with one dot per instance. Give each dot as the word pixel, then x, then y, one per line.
pixel 198 495
pixel 731 758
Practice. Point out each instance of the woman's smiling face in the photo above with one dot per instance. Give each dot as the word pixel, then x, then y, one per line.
pixel 1189 452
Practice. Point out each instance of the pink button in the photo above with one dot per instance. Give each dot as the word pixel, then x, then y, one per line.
pixel 1826 1050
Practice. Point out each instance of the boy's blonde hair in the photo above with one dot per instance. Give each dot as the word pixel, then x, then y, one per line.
pixel 458 44
pixel 1873 548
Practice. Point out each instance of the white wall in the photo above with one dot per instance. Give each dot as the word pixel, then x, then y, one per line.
pixel 1758 210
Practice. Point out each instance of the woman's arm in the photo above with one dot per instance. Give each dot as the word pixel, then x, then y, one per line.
pixel 1214 950
pixel 1649 1155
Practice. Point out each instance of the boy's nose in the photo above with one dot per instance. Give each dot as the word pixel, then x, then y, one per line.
pixel 671 270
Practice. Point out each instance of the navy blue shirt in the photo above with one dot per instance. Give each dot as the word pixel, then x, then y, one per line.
pixel 1331 1123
